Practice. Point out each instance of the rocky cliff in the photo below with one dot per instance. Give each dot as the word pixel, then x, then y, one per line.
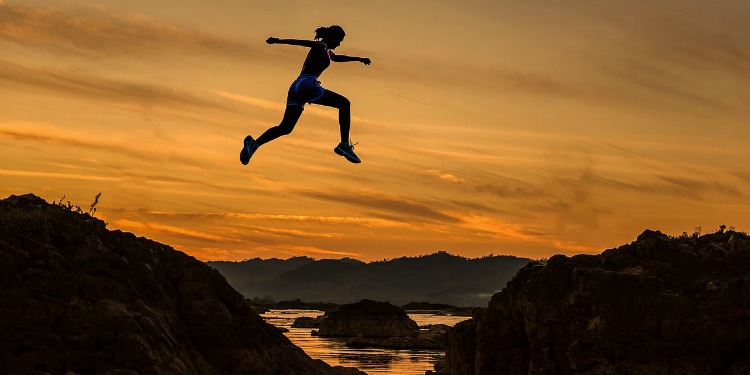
pixel 76 298
pixel 660 305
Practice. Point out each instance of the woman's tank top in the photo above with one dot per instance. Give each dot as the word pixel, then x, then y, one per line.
pixel 317 60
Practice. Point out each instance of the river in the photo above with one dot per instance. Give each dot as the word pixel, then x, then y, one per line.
pixel 372 361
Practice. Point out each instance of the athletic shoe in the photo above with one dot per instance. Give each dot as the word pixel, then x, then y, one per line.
pixel 347 151
pixel 248 150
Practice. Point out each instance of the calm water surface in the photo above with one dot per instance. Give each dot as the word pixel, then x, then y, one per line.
pixel 372 361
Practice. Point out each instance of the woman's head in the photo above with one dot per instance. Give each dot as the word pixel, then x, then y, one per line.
pixel 331 35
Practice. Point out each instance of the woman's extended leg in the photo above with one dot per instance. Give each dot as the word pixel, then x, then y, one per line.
pixel 332 99
pixel 291 116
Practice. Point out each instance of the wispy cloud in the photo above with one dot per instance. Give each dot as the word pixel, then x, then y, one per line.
pixel 53 175
pixel 394 206
pixel 138 152
pixel 482 78
pixel 679 51
pixel 448 177
pixel 257 102
pixel 666 185
pixel 512 190
pixel 98 88
pixel 498 228
pixel 364 221
pixel 269 232
pixel 697 36
pixel 106 32
pixel 742 175
pixel 167 229
pixel 474 206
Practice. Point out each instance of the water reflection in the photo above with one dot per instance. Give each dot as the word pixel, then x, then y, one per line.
pixel 373 361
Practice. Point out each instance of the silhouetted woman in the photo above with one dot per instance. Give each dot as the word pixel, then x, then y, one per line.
pixel 307 89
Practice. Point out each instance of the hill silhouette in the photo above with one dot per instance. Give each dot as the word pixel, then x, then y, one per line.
pixel 76 298
pixel 246 274
pixel 437 278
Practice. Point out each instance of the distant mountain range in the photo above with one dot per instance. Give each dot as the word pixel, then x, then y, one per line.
pixel 436 278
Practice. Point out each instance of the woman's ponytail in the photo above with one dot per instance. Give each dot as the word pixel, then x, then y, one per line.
pixel 334 31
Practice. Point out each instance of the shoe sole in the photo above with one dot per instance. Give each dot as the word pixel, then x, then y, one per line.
pixel 348 156
pixel 245 154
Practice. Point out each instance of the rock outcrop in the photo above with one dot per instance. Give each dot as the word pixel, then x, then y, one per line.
pixel 660 305
pixel 369 319
pixel 76 298
pixel 431 338
pixel 379 324
pixel 307 322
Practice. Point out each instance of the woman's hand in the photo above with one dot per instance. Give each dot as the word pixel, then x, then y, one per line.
pixel 272 40
pixel 365 61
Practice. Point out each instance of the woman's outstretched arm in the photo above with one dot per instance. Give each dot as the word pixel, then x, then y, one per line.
pixel 344 58
pixel 296 42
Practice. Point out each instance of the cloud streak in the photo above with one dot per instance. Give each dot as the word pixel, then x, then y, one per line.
pixel 368 222
pixel 98 88
pixel 168 229
pixel 394 206
pixel 54 175
pixel 678 50
pixel 666 185
pixel 105 32
pixel 448 177
pixel 143 154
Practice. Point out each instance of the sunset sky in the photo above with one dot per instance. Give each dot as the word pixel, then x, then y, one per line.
pixel 529 128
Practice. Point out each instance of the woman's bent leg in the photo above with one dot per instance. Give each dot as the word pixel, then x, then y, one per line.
pixel 332 99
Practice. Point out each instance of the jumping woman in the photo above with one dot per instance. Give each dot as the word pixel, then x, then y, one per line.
pixel 307 89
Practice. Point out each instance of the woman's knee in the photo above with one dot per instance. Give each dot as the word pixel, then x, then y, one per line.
pixel 344 103
pixel 286 128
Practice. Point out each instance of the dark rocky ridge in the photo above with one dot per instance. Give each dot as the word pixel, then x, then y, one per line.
pixel 76 298
pixel 657 306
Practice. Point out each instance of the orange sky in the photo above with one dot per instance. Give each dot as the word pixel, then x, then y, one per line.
pixel 528 128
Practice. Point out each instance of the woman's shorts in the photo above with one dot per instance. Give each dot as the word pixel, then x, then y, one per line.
pixel 306 89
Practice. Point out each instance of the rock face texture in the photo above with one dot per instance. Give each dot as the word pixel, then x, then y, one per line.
pixel 76 298
pixel 369 319
pixel 432 338
pixel 306 322
pixel 660 305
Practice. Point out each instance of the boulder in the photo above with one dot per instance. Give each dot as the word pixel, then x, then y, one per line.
pixel 369 319
pixel 306 322
pixel 370 324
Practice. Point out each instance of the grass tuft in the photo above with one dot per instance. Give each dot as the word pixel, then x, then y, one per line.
pixel 53 223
